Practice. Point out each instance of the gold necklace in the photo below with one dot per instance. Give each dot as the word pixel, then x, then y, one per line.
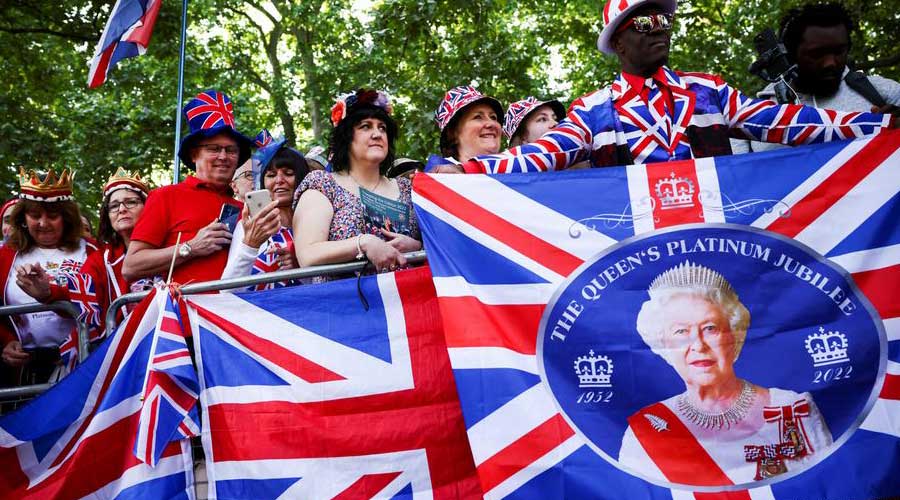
pixel 359 184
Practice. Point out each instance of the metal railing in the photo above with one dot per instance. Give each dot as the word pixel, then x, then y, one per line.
pixel 193 288
pixel 8 393
pixel 257 279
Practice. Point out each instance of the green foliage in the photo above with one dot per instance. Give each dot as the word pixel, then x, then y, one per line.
pixel 283 61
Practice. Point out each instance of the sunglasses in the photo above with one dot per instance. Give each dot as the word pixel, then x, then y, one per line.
pixel 648 23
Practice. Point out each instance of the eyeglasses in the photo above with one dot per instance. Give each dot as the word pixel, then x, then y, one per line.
pixel 247 174
pixel 128 204
pixel 215 149
pixel 648 23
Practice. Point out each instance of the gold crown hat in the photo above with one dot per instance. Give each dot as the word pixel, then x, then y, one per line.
pixel 49 189
pixel 123 179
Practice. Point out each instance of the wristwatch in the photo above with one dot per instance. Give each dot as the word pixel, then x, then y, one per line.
pixel 184 250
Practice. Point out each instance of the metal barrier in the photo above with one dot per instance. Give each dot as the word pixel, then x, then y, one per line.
pixel 258 279
pixel 8 393
pixel 206 286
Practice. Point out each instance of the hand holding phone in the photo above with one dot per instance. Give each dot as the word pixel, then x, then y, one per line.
pixel 228 215
pixel 257 200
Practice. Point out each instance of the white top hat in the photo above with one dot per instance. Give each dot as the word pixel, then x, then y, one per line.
pixel 616 11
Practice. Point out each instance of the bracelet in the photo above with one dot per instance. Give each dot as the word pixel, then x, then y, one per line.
pixel 360 255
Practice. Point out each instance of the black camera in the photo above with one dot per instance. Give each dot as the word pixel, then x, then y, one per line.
pixel 773 65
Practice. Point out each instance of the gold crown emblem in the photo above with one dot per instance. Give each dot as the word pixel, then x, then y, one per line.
pixel 124 179
pixel 50 188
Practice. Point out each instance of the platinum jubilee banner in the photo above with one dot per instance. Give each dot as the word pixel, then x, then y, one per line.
pixel 718 328
pixel 642 347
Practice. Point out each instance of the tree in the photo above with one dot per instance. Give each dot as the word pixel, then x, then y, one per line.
pixel 284 61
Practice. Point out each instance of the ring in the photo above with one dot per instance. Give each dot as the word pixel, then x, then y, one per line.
pixel 393 267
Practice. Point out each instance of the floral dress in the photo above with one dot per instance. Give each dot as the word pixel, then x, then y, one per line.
pixel 348 221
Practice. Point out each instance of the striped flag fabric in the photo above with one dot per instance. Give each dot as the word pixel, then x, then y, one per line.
pixel 541 278
pixel 171 388
pixel 307 394
pixel 84 295
pixel 127 34
pixel 77 439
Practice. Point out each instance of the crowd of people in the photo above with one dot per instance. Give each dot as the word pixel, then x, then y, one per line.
pixel 244 212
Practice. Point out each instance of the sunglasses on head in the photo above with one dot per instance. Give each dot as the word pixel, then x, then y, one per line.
pixel 648 23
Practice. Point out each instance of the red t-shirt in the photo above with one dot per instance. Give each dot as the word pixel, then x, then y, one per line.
pixel 186 207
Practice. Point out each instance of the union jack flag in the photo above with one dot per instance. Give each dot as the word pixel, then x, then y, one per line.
pixel 171 388
pixel 263 139
pixel 127 34
pixel 68 353
pixel 209 109
pixel 83 294
pixel 267 262
pixel 77 439
pixel 298 404
pixel 500 246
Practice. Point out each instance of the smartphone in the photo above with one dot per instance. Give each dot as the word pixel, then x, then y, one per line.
pixel 228 215
pixel 256 200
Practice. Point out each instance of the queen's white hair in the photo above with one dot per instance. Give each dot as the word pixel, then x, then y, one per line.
pixel 678 282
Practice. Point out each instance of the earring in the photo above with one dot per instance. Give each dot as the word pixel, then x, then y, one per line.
pixel 24 225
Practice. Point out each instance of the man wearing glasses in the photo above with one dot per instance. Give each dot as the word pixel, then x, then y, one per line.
pixel 652 113
pixel 242 182
pixel 182 220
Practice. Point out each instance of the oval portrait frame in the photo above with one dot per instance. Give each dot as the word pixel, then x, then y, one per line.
pixel 864 306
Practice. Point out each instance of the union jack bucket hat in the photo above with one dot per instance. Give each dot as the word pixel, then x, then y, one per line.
pixel 459 98
pixel 211 113
pixel 518 112
pixel 617 11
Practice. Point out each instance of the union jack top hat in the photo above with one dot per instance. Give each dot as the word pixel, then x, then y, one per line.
pixel 615 12
pixel 211 113
pixel 457 99
pixel 519 111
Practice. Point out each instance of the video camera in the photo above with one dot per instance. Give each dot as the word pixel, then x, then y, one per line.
pixel 773 65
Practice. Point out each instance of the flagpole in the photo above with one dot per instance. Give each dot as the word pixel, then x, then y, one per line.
pixel 176 163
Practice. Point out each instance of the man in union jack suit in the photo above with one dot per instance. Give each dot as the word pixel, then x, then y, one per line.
pixel 653 113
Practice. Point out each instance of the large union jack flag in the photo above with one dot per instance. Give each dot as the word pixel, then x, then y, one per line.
pixel 77 439
pixel 305 394
pixel 127 34
pixel 500 246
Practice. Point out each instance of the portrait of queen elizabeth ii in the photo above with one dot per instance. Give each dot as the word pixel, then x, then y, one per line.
pixel 722 429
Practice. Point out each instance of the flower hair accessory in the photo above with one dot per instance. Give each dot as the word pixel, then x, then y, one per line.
pixel 361 97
